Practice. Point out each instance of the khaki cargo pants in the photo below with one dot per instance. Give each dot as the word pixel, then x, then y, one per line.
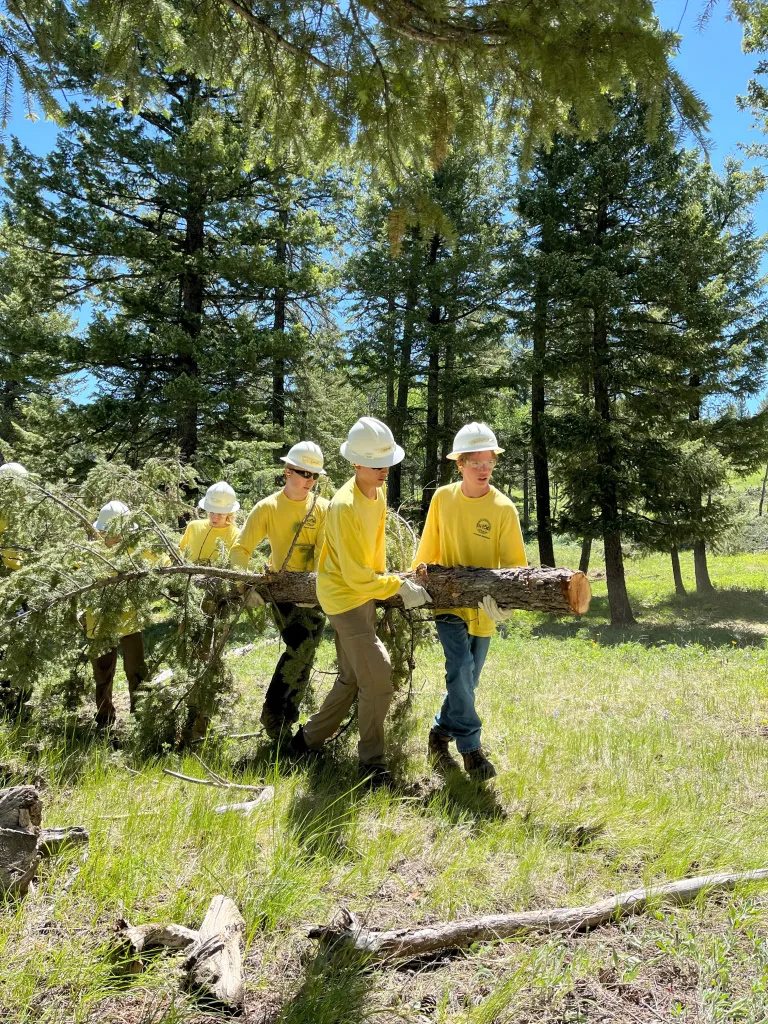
pixel 365 672
pixel 104 668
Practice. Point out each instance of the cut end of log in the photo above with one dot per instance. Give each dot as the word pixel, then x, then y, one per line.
pixel 579 593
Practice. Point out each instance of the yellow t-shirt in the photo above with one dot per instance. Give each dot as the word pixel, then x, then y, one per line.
pixel 278 518
pixel 471 531
pixel 354 552
pixel 11 558
pixel 129 620
pixel 199 542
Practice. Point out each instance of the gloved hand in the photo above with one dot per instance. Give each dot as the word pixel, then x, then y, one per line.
pixel 413 595
pixel 492 610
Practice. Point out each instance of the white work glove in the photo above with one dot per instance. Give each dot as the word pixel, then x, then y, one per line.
pixel 492 610
pixel 253 598
pixel 413 595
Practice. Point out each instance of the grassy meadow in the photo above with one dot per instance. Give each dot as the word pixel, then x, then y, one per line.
pixel 625 758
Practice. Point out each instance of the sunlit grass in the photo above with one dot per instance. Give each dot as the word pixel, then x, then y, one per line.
pixel 625 757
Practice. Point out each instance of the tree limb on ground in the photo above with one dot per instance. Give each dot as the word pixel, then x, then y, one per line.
pixel 22 841
pixel 348 933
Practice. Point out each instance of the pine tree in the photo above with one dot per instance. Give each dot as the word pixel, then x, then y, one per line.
pixel 197 261
pixel 429 285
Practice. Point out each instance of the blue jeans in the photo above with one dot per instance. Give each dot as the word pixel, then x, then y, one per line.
pixel 464 660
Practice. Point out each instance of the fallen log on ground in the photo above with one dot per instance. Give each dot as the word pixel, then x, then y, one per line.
pixel 23 842
pixel 214 961
pixel 347 932
pixel 557 591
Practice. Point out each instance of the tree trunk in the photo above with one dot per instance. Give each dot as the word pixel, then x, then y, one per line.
pixel 215 962
pixel 192 297
pixel 586 552
pixel 559 591
pixel 676 573
pixel 538 431
pixel 447 389
pixel 400 418
pixel 762 492
pixel 390 342
pixel 431 441
pixel 526 496
pixel 700 568
pixel 278 325
pixel 618 599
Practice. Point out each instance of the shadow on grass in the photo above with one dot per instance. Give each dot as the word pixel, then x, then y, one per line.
pixel 725 618
pixel 334 990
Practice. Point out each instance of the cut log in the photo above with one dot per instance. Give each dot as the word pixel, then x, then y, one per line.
pixel 53 840
pixel 349 933
pixel 214 962
pixel 557 591
pixel 18 860
pixel 20 807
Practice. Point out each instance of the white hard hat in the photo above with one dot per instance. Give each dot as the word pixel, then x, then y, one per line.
pixel 219 498
pixel 14 469
pixel 371 443
pixel 305 455
pixel 109 512
pixel 475 437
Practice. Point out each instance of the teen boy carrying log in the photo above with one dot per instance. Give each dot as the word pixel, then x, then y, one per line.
pixel 468 523
pixel 293 521
pixel 351 577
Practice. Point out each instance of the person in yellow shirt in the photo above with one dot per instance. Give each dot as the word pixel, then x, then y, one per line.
pixel 468 523
pixel 200 543
pixel 111 519
pixel 10 557
pixel 293 521
pixel 351 577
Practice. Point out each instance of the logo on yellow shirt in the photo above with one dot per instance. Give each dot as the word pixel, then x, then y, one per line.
pixel 483 529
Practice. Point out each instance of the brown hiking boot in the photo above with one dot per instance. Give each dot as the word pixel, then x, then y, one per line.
pixel 477 765
pixel 376 776
pixel 439 753
pixel 275 726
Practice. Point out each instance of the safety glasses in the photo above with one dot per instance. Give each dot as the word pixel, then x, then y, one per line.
pixel 305 473
pixel 475 464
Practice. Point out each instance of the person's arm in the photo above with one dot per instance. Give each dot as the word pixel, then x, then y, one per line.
pixel 351 556
pixel 511 545
pixel 429 545
pixel 252 534
pixel 319 537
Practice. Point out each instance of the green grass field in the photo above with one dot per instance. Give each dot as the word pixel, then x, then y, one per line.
pixel 625 757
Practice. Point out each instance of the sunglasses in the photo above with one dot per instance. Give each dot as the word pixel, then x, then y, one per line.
pixel 305 473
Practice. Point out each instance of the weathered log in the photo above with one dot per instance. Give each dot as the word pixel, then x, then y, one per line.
pixel 53 840
pixel 248 806
pixel 18 859
pixel 20 807
pixel 214 961
pixel 135 939
pixel 348 932
pixel 558 591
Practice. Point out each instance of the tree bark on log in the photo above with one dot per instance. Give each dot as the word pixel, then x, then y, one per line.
pixel 348 933
pixel 18 860
pixel 20 807
pixel 53 840
pixel 557 591
pixel 214 962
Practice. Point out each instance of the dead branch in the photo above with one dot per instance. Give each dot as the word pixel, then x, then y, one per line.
pixel 211 782
pixel 249 806
pixel 349 933
pixel 214 962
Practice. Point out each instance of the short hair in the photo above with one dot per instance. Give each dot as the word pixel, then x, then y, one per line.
pixel 466 456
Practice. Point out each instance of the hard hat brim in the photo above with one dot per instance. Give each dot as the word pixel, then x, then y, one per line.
pixel 299 465
pixel 222 511
pixel 383 462
pixel 470 451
